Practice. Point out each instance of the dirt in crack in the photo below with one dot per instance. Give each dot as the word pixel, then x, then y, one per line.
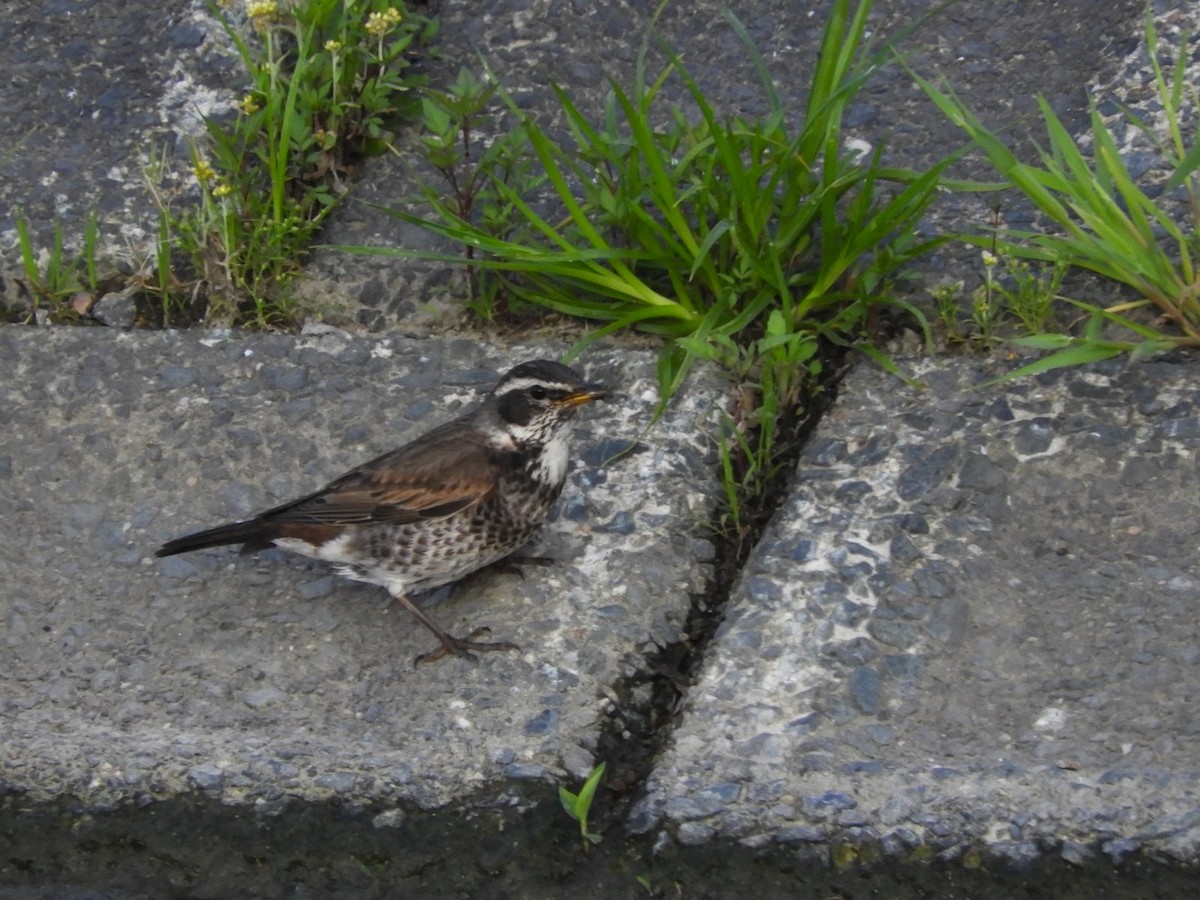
pixel 647 703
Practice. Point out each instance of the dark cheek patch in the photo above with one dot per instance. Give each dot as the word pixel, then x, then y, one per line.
pixel 515 408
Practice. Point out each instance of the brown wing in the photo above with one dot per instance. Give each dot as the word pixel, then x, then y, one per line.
pixel 442 472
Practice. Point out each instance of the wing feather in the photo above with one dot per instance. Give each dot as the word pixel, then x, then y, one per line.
pixel 444 472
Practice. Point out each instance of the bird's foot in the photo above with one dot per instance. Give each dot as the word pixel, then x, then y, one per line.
pixel 465 647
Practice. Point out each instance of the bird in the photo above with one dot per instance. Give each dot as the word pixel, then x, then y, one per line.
pixel 458 498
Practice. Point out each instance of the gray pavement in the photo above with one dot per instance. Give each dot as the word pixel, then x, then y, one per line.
pixel 220 673
pixel 962 661
pixel 971 626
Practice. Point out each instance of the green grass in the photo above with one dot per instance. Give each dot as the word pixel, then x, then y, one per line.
pixel 753 243
pixel 61 288
pixel 324 81
pixel 1106 223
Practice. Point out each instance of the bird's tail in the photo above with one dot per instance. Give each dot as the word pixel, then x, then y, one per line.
pixel 249 533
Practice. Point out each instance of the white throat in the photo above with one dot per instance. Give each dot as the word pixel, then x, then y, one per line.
pixel 554 460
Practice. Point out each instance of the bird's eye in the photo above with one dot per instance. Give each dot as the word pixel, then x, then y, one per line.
pixel 537 392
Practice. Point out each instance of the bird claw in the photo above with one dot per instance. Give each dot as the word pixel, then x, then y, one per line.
pixel 463 647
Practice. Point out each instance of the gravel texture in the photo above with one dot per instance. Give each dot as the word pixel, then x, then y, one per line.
pixel 969 636
pixel 94 89
pixel 252 678
pixel 971 625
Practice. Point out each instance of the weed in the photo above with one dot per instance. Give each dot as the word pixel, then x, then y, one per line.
pixel 471 170
pixel 751 243
pixel 1029 292
pixel 1014 295
pixel 325 77
pixel 948 304
pixel 579 805
pixel 60 289
pixel 1109 224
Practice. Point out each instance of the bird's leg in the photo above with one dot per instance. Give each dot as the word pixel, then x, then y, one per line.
pixel 451 645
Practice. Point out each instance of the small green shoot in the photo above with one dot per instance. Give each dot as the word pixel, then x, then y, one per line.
pixel 60 287
pixel 579 805
pixel 470 170
pixel 1030 290
pixel 1014 296
pixel 946 296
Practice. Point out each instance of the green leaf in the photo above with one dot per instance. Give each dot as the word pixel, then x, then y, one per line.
pixel 1081 354
pixel 436 118
pixel 776 327
pixel 569 802
pixel 1185 168
pixel 715 234
pixel 1045 341
pixel 28 260
pixel 698 347
pixel 588 791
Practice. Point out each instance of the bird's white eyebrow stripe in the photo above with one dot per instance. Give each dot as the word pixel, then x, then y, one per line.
pixel 521 384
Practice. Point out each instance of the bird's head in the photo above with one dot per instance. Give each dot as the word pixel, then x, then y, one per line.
pixel 535 399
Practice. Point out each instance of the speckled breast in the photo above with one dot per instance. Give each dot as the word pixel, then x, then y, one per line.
pixel 435 552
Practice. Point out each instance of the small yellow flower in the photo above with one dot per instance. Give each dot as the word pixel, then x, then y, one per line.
pixel 262 9
pixel 989 259
pixel 333 46
pixel 249 105
pixel 375 24
pixel 379 23
pixel 222 190
pixel 203 171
